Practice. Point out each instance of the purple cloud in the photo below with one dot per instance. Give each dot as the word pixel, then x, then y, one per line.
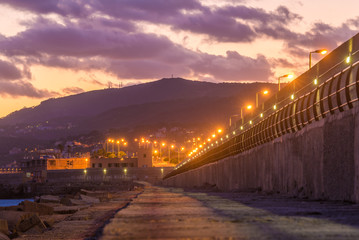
pixel 21 88
pixel 72 90
pixel 8 71
pixel 234 67
pixel 61 7
pixel 71 41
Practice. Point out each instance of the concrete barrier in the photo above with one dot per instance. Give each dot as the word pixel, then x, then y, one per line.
pixel 321 161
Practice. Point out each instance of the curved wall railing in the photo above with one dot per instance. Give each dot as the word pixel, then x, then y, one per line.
pixel 334 90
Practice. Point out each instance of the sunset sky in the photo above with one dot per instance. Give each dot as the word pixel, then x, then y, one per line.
pixel 54 48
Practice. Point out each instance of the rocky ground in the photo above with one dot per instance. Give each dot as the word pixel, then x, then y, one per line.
pixel 79 215
pixel 168 213
pixel 152 212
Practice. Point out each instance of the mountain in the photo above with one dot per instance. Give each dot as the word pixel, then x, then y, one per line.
pixel 135 110
pixel 90 104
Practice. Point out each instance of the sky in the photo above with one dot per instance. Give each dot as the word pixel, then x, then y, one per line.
pixel 55 48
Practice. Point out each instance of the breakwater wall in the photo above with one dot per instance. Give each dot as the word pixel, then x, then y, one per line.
pixel 321 161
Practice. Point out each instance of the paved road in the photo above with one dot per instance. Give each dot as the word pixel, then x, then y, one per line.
pixel 168 213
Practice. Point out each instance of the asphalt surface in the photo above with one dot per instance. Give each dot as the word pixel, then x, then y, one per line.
pixel 169 213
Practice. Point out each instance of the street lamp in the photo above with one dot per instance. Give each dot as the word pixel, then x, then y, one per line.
pixel 284 76
pixel 265 92
pixel 249 107
pixel 321 51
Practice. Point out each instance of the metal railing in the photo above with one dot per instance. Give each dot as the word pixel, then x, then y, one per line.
pixel 329 94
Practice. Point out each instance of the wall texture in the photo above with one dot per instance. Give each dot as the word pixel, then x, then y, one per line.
pixel 321 161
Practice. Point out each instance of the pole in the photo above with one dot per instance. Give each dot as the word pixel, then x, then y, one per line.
pixel 310 60
pixel 279 84
pixel 169 153
pixel 242 115
pixel 257 99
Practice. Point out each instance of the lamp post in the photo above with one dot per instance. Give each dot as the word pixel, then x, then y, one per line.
pixel 265 92
pixel 321 51
pixel 178 151
pixel 162 145
pixel 249 107
pixel 284 76
pixel 169 152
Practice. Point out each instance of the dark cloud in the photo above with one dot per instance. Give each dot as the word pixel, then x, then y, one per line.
pixel 281 62
pixel 216 26
pixel 71 41
pixel 72 90
pixel 61 7
pixel 234 67
pixel 21 89
pixel 8 71
pixel 321 35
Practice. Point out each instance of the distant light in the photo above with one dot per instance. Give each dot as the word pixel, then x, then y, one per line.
pixel 292 96
pixel 275 107
pixel 265 92
pixel 213 135
pixel 104 171
pixel 249 107
pixel 290 76
pixel 234 132
pixel 241 127
pixel 315 81
pixel 125 170
pixel 250 122
pixel 261 115
pixel 219 130
pixel 348 59
pixel 85 171
pixel 324 51
pixel 208 139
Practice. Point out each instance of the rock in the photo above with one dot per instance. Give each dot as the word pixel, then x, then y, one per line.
pixel 21 221
pixel 72 202
pixel 49 199
pixel 12 208
pixel 69 209
pixel 97 194
pixel 89 199
pixel 13 218
pixel 3 237
pixel 49 223
pixel 30 222
pixel 41 209
pixel 4 228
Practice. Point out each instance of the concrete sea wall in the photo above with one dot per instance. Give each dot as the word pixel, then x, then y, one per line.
pixel 321 161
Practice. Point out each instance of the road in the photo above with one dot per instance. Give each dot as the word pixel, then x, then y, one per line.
pixel 169 213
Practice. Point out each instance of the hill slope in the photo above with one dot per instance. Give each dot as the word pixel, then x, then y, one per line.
pixel 92 103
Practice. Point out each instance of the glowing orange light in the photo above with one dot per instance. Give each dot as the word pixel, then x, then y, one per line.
pixel 249 107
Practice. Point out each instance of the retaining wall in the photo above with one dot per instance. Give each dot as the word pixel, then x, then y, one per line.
pixel 321 161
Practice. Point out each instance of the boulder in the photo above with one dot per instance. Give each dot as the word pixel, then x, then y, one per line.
pixel 69 209
pixel 88 199
pixel 21 221
pixel 41 209
pixel 3 237
pixel 72 202
pixel 31 222
pixel 49 199
pixel 4 228
pixel 97 194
